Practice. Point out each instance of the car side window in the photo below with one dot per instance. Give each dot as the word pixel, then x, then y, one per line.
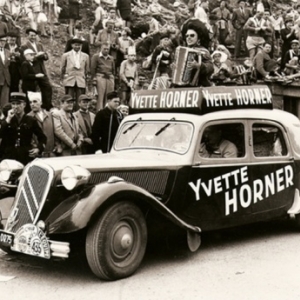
pixel 223 141
pixel 268 141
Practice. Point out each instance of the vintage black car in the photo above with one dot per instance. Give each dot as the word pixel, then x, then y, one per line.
pixel 160 161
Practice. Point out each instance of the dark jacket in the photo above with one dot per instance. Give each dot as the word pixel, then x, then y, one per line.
pixel 105 128
pixel 238 19
pixel 29 81
pixel 17 138
pixel 38 62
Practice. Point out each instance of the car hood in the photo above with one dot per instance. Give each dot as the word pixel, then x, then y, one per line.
pixel 118 161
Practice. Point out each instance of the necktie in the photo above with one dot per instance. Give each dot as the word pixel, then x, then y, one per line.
pixel 72 119
pixel 77 61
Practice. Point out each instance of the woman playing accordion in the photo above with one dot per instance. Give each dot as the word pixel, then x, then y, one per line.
pixel 193 63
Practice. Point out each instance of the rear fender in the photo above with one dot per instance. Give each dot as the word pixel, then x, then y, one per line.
pixel 76 212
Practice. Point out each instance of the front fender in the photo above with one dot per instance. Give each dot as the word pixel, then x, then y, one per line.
pixel 76 212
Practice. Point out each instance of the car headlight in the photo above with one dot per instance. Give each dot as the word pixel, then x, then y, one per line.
pixel 73 176
pixel 7 166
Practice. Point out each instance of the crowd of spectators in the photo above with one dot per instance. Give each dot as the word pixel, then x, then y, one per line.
pixel 218 33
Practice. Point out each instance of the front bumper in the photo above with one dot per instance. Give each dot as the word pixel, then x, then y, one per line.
pixel 31 240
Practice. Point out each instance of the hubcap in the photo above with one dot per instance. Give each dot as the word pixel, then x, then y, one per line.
pixel 123 240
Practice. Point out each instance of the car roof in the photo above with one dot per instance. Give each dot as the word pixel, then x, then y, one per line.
pixel 276 115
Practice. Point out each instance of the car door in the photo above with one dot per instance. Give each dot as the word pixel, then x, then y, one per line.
pixel 212 198
pixel 271 169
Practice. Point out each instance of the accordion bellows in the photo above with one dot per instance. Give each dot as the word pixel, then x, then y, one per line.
pixel 182 75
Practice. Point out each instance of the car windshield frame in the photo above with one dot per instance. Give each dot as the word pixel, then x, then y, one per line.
pixel 158 132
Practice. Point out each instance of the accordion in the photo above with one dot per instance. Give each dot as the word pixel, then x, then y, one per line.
pixel 182 75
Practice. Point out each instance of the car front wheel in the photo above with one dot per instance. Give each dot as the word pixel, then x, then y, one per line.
pixel 116 242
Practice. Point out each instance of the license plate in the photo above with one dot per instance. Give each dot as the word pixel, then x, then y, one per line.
pixel 6 239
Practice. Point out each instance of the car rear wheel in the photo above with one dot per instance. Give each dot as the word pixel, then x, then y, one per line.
pixel 116 242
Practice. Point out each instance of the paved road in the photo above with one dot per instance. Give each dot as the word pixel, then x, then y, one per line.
pixel 260 261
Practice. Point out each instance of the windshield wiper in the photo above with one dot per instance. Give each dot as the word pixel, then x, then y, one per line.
pixel 163 128
pixel 132 126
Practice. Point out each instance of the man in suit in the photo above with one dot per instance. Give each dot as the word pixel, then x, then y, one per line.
pixel 4 72
pixel 66 127
pixel 45 121
pixel 75 67
pixel 15 61
pixel 38 66
pixel 85 120
pixel 239 19
pixel 85 46
pixel 17 132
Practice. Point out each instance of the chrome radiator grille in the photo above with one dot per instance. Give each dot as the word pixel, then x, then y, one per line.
pixel 30 197
pixel 152 181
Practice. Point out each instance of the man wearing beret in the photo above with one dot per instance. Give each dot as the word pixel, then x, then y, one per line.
pixel 17 132
pixel 75 66
pixel 38 66
pixel 66 127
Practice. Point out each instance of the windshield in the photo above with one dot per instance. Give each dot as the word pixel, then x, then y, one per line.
pixel 168 135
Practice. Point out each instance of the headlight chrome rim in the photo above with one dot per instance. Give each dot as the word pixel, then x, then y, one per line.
pixel 73 176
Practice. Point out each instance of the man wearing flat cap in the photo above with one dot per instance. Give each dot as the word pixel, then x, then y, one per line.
pixel 75 67
pixel 38 65
pixel 66 127
pixel 85 120
pixel 4 71
pixel 17 132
